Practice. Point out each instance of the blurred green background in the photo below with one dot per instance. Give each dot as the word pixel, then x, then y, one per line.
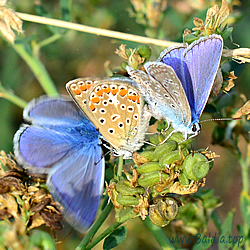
pixel 78 54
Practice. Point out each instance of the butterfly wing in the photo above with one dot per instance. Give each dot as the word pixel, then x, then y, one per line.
pixel 164 92
pixel 49 112
pixel 77 183
pixel 196 67
pixel 117 110
pixel 174 57
pixel 203 60
pixel 61 147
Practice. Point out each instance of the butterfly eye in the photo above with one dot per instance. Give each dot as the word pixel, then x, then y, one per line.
pixel 196 128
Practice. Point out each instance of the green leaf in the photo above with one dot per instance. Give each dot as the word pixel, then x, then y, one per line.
pixel 115 238
pixel 226 238
pixel 202 243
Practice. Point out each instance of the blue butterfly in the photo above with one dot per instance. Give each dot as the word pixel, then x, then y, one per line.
pixel 63 143
pixel 178 85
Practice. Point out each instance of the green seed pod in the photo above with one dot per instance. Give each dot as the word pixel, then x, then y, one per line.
pixel 127 200
pixel 183 179
pixel 163 210
pixel 156 138
pixel 123 186
pixel 187 143
pixel 178 137
pixel 164 149
pixel 195 166
pixel 149 179
pixel 169 158
pixel 148 167
pixel 144 51
pixel 148 155
pixel 124 65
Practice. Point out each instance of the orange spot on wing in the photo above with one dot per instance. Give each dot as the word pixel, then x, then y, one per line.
pixel 92 106
pixel 83 87
pixel 107 90
pixel 95 100
pixel 123 92
pixel 114 91
pixel 138 100
pixel 133 97
pixel 76 91
pixel 100 92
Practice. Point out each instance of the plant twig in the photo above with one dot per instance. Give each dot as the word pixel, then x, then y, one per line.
pixel 12 98
pixel 120 166
pixel 103 235
pixel 38 69
pixel 93 30
pixel 95 227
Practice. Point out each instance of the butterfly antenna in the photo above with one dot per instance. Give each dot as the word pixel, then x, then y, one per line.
pixel 103 156
pixel 221 119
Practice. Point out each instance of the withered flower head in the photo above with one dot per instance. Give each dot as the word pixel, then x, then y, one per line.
pixel 22 197
pixel 9 21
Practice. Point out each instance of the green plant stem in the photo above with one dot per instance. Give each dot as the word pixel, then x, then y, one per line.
pixel 120 166
pixel 95 227
pixel 37 46
pixel 244 172
pixel 159 235
pixel 12 98
pixel 103 235
pixel 50 40
pixel 38 69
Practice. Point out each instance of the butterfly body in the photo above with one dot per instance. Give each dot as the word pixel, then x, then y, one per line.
pixel 116 108
pixel 61 142
pixel 178 85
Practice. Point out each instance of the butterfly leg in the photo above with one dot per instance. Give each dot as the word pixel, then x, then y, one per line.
pixel 168 137
pixel 167 127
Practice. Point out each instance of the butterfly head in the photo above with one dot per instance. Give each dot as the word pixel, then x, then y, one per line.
pixel 195 129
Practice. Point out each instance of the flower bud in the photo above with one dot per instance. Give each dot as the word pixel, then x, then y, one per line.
pixel 144 51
